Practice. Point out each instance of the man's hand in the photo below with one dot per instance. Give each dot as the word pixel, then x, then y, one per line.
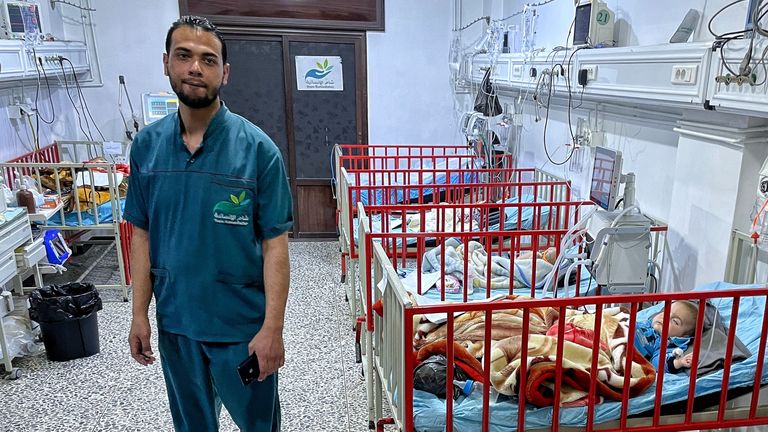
pixel 684 362
pixel 138 339
pixel 268 346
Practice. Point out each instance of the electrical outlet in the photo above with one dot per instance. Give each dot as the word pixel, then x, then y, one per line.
pixel 597 138
pixel 18 111
pixel 517 71
pixel 14 112
pixel 591 72
pixel 685 74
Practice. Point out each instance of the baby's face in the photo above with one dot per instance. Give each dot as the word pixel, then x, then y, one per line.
pixel 682 321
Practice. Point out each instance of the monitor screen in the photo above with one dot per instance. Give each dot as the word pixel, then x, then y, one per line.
pixel 582 24
pixel 605 178
pixel 158 105
pixel 23 17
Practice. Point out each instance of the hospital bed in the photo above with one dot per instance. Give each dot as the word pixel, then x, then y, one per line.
pixel 666 403
pixel 551 221
pixel 548 222
pixel 362 158
pixel 89 196
pixel 354 157
pixel 399 187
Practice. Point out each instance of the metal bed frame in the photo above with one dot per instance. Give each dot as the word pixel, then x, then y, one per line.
pixel 504 183
pixel 393 361
pixel 379 251
pixel 49 159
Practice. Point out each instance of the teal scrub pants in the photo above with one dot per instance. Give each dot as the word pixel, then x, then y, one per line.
pixel 199 376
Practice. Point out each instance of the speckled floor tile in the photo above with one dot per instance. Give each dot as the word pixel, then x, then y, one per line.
pixel 320 385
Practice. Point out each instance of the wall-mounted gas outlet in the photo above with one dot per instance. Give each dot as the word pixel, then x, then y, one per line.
pixel 559 71
pixel 685 74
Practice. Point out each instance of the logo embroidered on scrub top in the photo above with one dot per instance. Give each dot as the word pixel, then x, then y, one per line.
pixel 232 212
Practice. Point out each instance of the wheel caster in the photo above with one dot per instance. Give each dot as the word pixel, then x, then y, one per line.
pixel 14 374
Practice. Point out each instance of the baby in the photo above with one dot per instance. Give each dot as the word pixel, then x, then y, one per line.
pixel 549 255
pixel 681 328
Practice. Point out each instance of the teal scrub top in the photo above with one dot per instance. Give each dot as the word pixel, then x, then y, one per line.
pixel 207 214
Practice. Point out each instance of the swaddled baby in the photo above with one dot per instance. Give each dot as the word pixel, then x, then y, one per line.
pixel 549 255
pixel 681 328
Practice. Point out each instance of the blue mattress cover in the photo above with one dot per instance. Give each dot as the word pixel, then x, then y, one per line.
pixel 104 211
pixel 429 411
pixel 510 220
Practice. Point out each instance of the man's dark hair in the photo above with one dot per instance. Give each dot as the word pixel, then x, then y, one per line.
pixel 196 22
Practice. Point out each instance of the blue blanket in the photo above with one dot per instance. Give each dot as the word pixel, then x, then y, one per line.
pixel 510 220
pixel 429 411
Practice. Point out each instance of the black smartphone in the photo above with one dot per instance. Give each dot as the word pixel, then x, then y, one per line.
pixel 249 369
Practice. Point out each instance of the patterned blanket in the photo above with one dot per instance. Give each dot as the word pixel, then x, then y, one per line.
pixel 577 373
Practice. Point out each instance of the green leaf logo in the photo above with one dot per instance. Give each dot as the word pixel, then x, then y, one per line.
pixel 325 65
pixel 319 65
pixel 234 199
pixel 241 198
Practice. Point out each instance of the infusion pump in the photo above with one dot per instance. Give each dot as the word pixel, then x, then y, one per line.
pixel 158 105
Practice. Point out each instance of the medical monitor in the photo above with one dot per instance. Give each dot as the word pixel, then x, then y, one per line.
pixel 158 105
pixel 19 18
pixel 606 176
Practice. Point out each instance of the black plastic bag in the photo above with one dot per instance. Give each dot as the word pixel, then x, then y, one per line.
pixel 487 101
pixel 429 375
pixel 70 301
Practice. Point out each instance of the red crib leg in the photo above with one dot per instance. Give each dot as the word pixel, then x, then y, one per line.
pixel 385 421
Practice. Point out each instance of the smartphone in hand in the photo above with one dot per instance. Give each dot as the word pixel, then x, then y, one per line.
pixel 249 369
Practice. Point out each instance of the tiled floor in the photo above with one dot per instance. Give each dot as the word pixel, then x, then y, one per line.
pixel 321 388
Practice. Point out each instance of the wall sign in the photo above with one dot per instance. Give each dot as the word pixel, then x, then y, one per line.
pixel 319 73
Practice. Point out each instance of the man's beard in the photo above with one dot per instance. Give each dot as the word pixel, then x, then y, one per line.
pixel 195 102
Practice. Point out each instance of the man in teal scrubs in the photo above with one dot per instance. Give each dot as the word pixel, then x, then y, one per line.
pixel 211 206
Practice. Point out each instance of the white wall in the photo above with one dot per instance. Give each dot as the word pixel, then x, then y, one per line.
pixel 17 135
pixel 408 85
pixel 702 189
pixel 130 41
pixel 130 38
pixel 409 96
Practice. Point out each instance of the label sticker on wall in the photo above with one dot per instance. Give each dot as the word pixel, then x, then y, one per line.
pixel 319 73
pixel 113 148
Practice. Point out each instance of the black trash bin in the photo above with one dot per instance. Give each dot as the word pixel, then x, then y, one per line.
pixel 68 319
